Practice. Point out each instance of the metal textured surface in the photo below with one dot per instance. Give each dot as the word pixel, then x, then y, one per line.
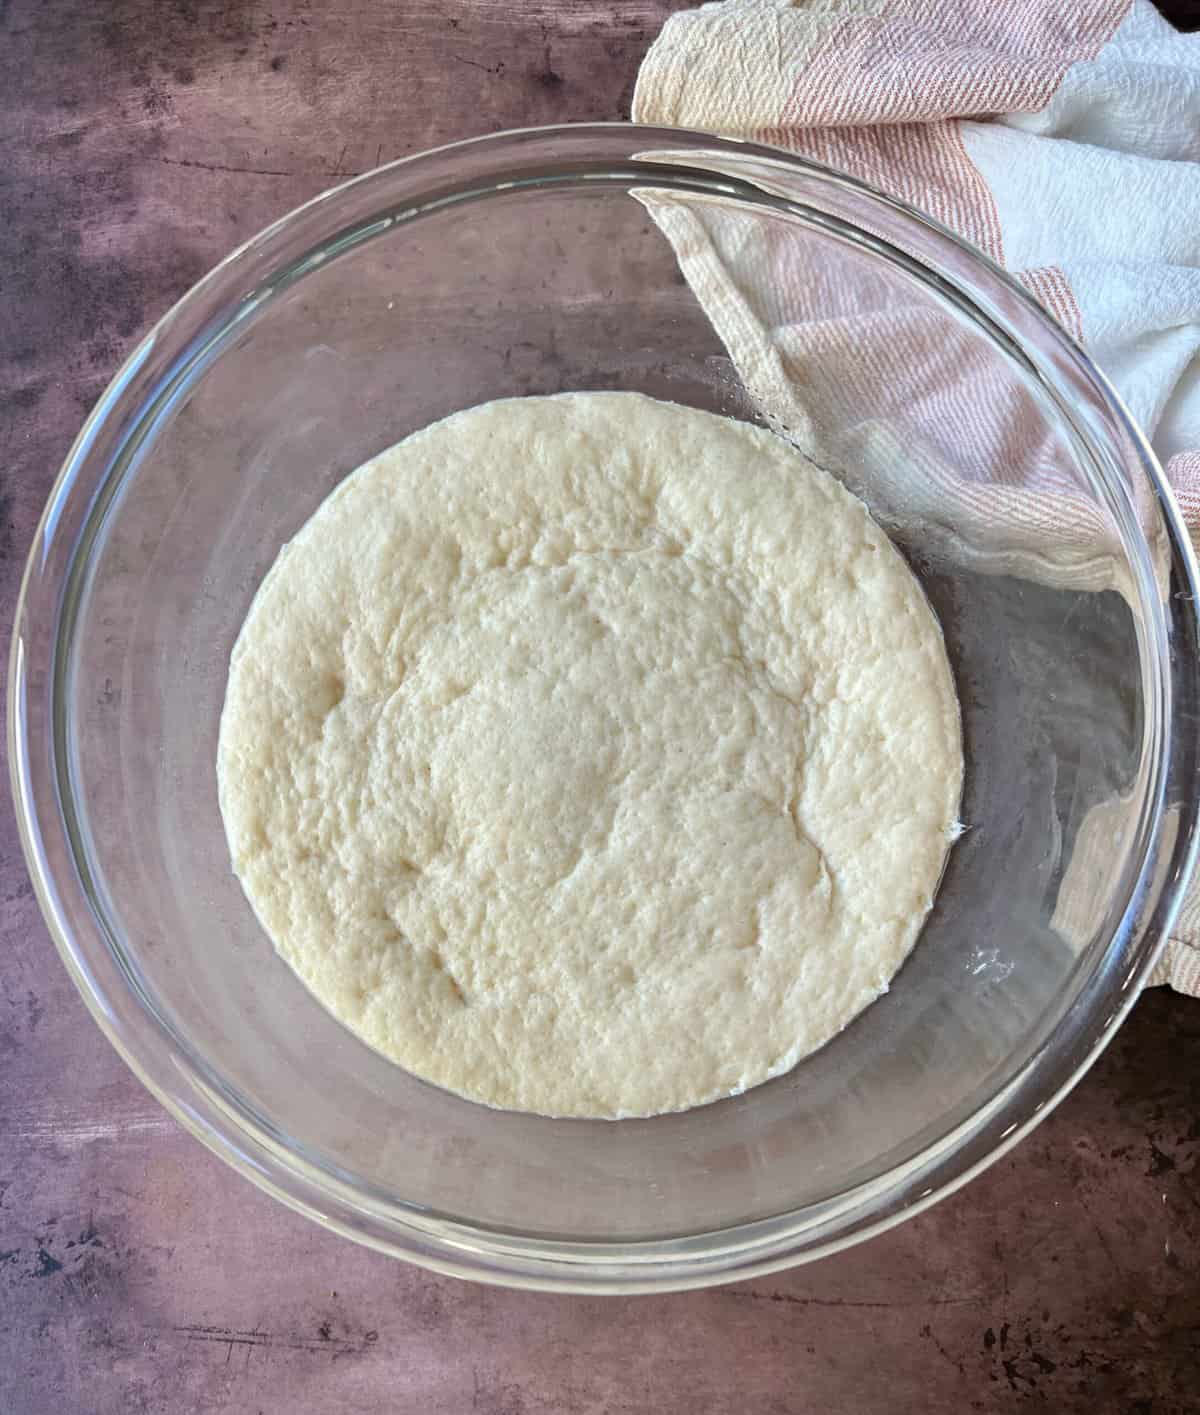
pixel 140 140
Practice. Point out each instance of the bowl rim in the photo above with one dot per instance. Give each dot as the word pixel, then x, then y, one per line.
pixel 472 1250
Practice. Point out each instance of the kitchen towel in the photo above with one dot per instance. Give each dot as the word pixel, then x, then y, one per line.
pixel 1061 137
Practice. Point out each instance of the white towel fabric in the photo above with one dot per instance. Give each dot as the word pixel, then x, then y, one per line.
pixel 1062 137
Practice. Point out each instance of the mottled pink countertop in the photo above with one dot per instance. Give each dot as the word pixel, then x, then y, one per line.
pixel 140 141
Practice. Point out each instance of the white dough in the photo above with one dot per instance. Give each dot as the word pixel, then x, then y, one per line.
pixel 591 755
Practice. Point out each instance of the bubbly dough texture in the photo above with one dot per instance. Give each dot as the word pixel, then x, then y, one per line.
pixel 591 755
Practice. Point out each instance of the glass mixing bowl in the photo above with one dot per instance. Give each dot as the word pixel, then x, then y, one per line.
pixel 575 258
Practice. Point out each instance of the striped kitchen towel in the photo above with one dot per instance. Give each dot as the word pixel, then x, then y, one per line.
pixel 1061 137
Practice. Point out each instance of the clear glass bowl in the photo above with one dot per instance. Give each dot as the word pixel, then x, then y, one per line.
pixel 535 262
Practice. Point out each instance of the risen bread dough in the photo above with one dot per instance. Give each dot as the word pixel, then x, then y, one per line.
pixel 591 755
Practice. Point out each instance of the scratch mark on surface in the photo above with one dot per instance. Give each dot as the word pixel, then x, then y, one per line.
pixel 927 1332
pixel 233 1337
pixel 795 1301
pixel 247 171
pixel 1101 1236
pixel 72 1132
pixel 496 69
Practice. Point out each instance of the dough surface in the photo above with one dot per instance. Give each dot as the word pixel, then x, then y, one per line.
pixel 591 755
